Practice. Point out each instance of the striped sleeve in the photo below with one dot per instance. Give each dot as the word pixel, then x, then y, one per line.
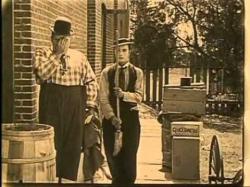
pixel 105 105
pixel 137 95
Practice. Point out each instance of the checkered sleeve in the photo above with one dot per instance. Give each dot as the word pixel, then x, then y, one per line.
pixel 90 82
pixel 44 63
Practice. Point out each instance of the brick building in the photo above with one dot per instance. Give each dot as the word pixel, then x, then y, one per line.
pixel 26 26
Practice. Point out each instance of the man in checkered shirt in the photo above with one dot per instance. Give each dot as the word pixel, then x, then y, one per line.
pixel 67 83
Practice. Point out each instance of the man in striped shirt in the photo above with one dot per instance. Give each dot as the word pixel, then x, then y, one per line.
pixel 130 91
pixel 67 83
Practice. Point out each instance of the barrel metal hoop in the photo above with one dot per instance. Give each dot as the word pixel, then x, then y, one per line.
pixel 27 134
pixel 26 138
pixel 28 160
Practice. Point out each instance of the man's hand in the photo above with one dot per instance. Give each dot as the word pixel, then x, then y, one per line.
pixel 92 116
pixel 116 122
pixel 61 46
pixel 91 111
pixel 118 92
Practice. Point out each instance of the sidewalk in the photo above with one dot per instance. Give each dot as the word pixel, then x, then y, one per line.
pixel 149 154
pixel 149 157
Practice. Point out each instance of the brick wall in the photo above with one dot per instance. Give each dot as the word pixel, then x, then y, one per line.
pixel 109 57
pixel 91 31
pixel 95 35
pixel 25 90
pixel 43 16
pixel 100 34
pixel 32 19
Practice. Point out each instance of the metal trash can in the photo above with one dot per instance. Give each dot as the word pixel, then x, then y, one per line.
pixel 166 141
pixel 166 118
pixel 186 149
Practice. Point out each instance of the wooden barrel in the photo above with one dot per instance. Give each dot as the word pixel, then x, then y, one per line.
pixel 28 153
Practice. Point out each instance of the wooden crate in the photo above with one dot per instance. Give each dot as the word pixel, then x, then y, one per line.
pixel 184 100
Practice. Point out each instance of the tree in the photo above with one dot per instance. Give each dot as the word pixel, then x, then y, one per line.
pixel 216 35
pixel 184 16
pixel 222 30
pixel 153 37
pixel 209 33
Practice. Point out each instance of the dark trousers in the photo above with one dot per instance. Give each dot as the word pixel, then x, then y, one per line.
pixel 123 166
pixel 62 108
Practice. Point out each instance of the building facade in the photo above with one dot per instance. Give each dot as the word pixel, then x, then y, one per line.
pixel 27 26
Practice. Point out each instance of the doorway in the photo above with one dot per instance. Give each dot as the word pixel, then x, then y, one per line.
pixel 7 64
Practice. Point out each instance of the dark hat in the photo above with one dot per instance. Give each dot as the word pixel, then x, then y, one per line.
pixel 123 41
pixel 62 26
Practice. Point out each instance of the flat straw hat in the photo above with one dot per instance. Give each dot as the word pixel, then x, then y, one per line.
pixel 123 41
